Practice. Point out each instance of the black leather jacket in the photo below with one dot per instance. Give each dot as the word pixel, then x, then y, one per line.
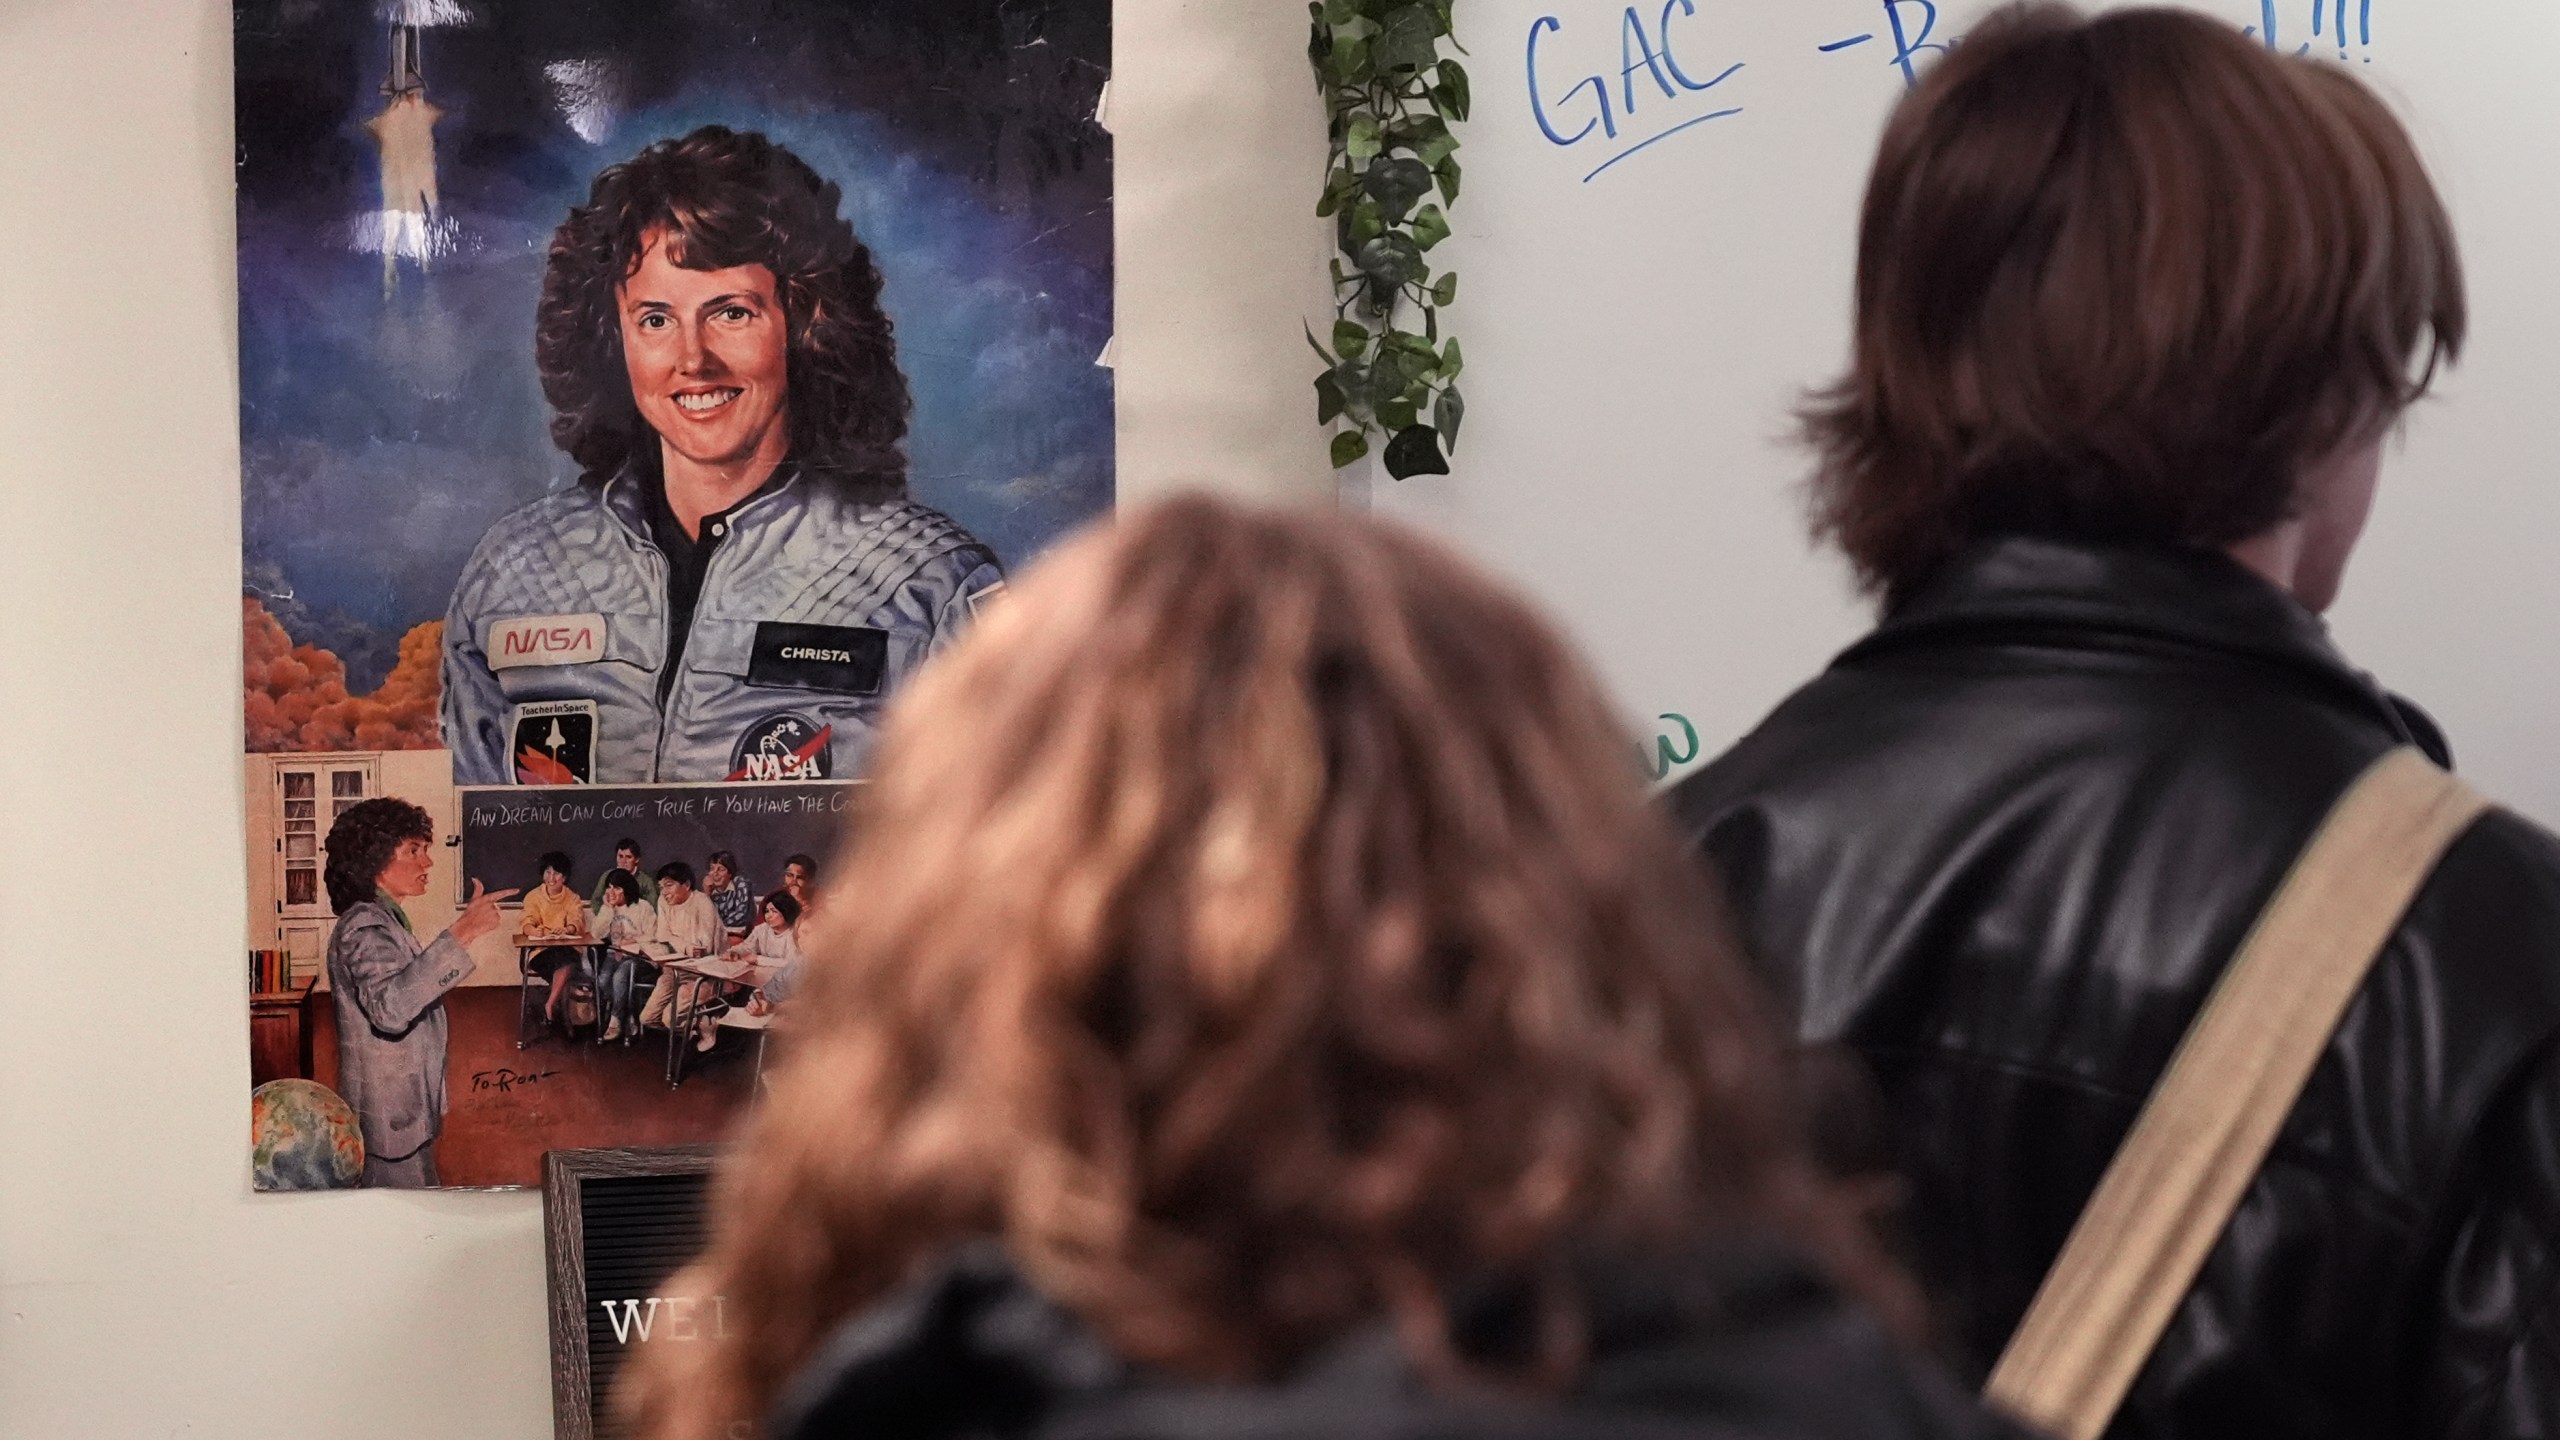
pixel 1740 1346
pixel 2001 849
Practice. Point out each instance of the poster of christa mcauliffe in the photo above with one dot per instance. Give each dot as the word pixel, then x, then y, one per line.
pixel 633 394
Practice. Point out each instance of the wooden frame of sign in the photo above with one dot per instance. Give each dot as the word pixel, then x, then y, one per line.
pixel 624 1220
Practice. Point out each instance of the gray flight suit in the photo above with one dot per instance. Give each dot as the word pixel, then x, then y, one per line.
pixel 803 571
pixel 389 993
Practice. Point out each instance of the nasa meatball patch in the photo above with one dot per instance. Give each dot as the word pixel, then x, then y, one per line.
pixel 784 747
pixel 554 742
pixel 839 659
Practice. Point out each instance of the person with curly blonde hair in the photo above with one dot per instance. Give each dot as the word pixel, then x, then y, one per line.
pixel 1274 1009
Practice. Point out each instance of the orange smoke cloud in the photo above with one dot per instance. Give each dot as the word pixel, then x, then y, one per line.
pixel 296 695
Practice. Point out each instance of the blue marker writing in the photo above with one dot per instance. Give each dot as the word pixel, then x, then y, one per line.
pixel 1907 48
pixel 1537 107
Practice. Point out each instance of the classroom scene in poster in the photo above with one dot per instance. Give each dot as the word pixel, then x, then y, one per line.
pixel 632 395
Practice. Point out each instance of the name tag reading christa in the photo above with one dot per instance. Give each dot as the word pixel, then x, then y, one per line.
pixel 845 659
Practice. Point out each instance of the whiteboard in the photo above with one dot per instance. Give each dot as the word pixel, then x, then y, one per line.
pixel 1642 309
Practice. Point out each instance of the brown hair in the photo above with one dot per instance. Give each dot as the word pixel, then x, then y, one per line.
pixel 2118 280
pixel 724 197
pixel 1264 930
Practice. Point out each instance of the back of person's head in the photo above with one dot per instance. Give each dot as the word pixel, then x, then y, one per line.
pixel 1265 933
pixel 2120 279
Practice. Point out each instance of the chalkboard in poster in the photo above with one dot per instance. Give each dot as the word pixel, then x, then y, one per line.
pixel 619 1224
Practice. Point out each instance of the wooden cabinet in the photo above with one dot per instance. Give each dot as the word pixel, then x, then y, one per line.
pixel 280 1033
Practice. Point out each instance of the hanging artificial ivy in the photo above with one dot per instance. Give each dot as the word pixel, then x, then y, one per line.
pixel 1389 101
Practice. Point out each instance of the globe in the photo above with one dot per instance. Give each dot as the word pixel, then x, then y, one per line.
pixel 303 1137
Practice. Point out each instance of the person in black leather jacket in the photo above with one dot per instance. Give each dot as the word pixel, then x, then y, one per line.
pixel 1275 1011
pixel 2136 302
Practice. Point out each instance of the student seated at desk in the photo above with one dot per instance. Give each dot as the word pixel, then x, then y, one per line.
pixel 626 858
pixel 553 910
pixel 772 948
pixel 623 921
pixel 729 893
pixel 800 878
pixel 687 928
pixel 775 947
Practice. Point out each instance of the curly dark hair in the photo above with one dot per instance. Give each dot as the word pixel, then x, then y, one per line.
pixel 557 860
pixel 725 198
pixel 360 844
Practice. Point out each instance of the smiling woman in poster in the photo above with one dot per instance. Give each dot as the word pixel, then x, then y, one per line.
pixel 737 581
pixel 389 989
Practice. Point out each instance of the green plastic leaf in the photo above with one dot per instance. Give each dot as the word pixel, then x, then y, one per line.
pixel 1410 41
pixel 1350 339
pixel 1419 132
pixel 1452 91
pixel 1329 401
pixel 1350 62
pixel 1384 382
pixel 1398 413
pixel 1405 342
pixel 1389 261
pixel 1446 172
pixel 1430 227
pixel 1326 204
pixel 1337 12
pixel 1366 225
pixel 1444 293
pixel 1451 362
pixel 1348 446
pixel 1396 185
pixel 1431 322
pixel 1315 344
pixel 1415 450
pixel 1353 381
pixel 1362 141
pixel 1446 412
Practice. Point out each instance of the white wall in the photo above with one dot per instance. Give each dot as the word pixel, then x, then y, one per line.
pixel 143 1290
pixel 1636 334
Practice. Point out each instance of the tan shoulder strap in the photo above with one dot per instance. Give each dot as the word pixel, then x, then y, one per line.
pixel 2207 1125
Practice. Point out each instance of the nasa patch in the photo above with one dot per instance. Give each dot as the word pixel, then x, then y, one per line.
pixel 784 747
pixel 545 640
pixel 554 742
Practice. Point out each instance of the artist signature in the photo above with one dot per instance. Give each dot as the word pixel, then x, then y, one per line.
pixel 504 1079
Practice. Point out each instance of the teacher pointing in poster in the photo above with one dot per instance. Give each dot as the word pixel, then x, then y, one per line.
pixel 389 987
pixel 737 581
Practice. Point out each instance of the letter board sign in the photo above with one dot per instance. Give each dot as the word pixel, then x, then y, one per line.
pixel 619 1224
